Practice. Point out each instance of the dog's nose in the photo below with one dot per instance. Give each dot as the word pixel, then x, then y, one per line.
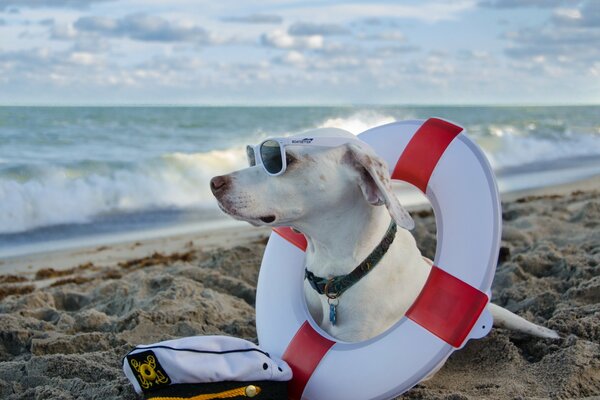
pixel 219 183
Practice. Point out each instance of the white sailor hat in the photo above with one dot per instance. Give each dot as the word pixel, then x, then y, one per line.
pixel 206 367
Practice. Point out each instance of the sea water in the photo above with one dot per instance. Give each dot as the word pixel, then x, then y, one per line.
pixel 68 173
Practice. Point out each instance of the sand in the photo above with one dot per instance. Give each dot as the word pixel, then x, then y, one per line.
pixel 67 318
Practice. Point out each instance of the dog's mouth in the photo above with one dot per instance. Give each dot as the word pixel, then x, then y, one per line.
pixel 267 219
pixel 228 208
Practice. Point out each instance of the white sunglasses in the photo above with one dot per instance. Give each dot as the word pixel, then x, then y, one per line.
pixel 270 153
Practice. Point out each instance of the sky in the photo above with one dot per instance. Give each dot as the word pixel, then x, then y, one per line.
pixel 288 52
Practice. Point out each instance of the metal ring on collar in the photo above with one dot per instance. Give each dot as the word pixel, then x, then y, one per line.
pixel 331 296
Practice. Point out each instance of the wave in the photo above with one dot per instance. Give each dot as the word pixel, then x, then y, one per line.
pixel 53 195
pixel 35 195
pixel 509 146
pixel 506 146
pixel 358 122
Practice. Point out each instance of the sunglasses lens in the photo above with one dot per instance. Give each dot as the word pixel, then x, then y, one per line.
pixel 250 155
pixel 270 152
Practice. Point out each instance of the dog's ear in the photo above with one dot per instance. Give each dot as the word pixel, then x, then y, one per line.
pixel 375 182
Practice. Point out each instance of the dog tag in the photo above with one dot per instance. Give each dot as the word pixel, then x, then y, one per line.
pixel 332 314
pixel 332 311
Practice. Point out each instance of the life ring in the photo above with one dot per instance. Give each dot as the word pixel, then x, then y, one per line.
pixel 438 158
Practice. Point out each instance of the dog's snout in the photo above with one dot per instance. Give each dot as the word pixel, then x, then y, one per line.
pixel 219 183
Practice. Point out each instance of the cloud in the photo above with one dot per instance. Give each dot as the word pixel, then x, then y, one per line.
pixel 294 58
pixel 86 42
pixel 255 19
pixel 391 36
pixel 281 40
pixel 91 44
pixel 310 29
pixel 527 43
pixel 564 45
pixel 45 66
pixel 145 28
pixel 525 3
pixel 390 51
pixel 319 51
pixel 84 58
pixel 555 52
pixel 474 55
pixel 71 70
pixel 588 16
pixel 62 31
pixel 340 49
pixel 433 66
pixel 97 24
pixel 2 22
pixel 24 56
pixel 378 21
pixel 338 64
pixel 571 36
pixel 78 4
pixel 429 11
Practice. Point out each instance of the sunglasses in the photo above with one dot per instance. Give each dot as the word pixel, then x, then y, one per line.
pixel 270 153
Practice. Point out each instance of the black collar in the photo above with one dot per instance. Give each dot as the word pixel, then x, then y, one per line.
pixel 336 286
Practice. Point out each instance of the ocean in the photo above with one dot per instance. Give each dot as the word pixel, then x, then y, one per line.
pixel 93 174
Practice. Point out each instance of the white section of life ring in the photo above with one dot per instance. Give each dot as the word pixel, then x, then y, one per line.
pixel 464 195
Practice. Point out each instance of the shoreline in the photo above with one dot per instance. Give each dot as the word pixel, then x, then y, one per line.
pixel 139 224
pixel 111 253
pixel 111 249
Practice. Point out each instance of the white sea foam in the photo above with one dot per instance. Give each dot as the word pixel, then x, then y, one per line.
pixel 77 193
pixel 508 147
pixel 60 195
pixel 64 195
pixel 74 194
pixel 504 145
pixel 358 122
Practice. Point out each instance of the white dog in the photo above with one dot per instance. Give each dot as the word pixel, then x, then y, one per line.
pixel 333 194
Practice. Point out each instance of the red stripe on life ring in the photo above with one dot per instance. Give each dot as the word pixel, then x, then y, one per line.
pixel 297 239
pixel 423 151
pixel 303 354
pixel 447 307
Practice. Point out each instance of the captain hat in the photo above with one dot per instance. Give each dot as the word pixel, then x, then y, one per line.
pixel 204 368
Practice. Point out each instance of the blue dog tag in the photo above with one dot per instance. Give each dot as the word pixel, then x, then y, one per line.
pixel 332 313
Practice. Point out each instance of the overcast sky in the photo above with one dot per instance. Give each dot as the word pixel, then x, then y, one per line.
pixel 299 52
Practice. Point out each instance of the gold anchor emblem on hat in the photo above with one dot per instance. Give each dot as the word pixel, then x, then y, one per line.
pixel 147 372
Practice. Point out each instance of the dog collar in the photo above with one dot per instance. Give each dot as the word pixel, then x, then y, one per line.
pixel 334 287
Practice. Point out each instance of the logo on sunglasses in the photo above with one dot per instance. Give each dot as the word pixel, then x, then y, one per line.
pixel 302 141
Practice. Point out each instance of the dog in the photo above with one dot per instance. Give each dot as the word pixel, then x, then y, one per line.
pixel 340 198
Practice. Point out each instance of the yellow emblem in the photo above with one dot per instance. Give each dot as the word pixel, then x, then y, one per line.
pixel 147 372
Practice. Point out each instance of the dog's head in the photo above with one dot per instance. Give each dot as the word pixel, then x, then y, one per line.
pixel 317 179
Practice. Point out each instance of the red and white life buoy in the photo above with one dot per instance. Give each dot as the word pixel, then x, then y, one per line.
pixel 438 158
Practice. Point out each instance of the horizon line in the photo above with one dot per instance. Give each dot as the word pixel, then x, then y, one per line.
pixel 273 105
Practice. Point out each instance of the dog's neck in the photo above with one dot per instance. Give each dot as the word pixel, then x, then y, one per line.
pixel 337 243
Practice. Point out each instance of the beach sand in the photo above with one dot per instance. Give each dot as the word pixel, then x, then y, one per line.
pixel 67 318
